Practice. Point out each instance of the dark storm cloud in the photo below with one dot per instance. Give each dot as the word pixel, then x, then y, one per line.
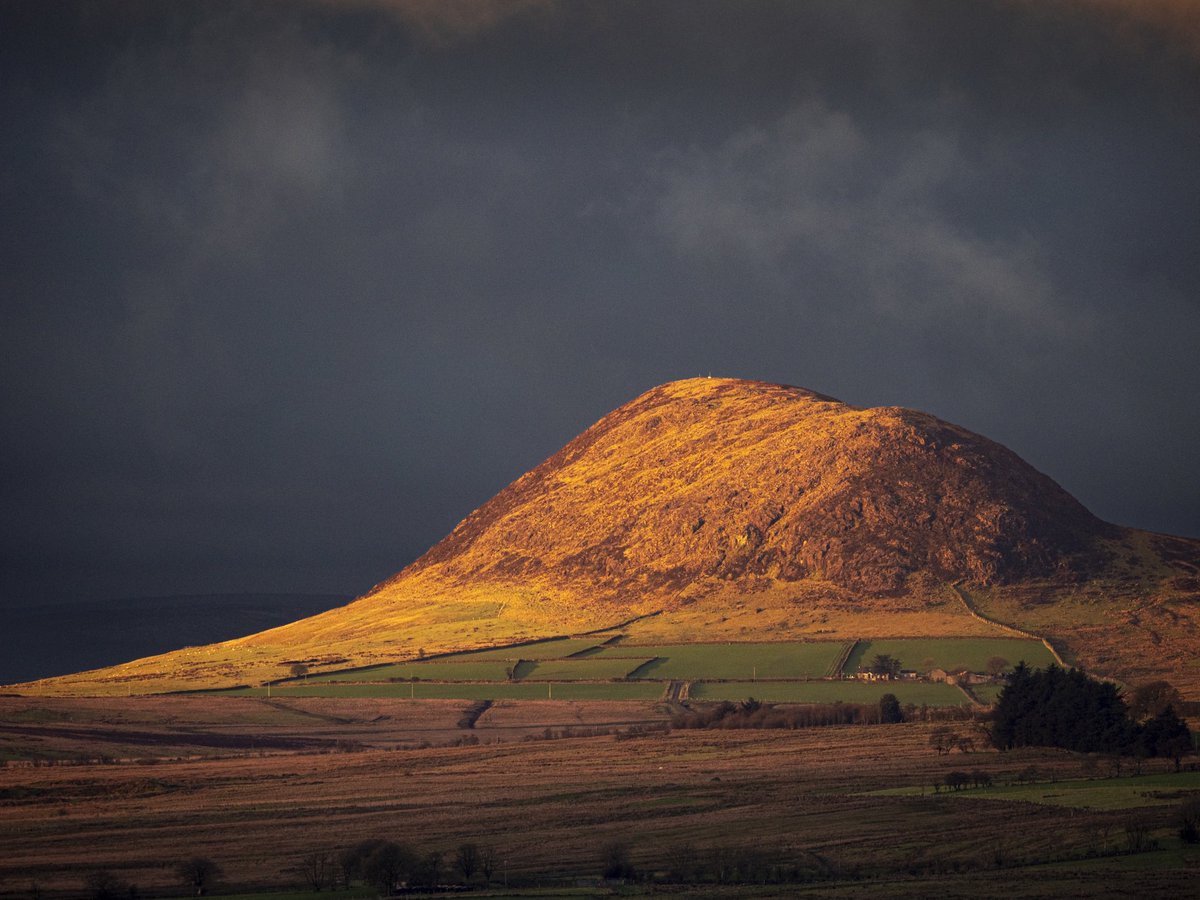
pixel 289 288
pixel 444 22
pixel 1176 22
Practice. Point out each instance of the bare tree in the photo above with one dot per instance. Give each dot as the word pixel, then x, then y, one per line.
pixel 350 861
pixel 299 670
pixel 467 861
pixel 1151 699
pixel 616 861
pixel 1189 821
pixel 998 665
pixel 943 739
pixel 433 867
pixel 318 869
pixel 1028 775
pixel 103 885
pixel 389 864
pixel 1137 836
pixel 683 863
pixel 489 859
pixel 198 874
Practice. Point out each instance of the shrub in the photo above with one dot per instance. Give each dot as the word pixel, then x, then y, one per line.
pixel 616 861
pixel 956 781
pixel 198 874
pixel 103 885
pixel 388 865
pixel 889 709
pixel 1189 821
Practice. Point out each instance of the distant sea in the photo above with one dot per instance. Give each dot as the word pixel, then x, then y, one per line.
pixel 59 639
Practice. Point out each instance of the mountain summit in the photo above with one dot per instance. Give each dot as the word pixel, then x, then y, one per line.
pixel 723 509
pixel 722 478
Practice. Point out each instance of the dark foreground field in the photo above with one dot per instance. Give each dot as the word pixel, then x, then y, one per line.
pixel 270 783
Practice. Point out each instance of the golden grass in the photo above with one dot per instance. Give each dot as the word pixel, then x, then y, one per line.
pixel 389 627
pixel 1135 640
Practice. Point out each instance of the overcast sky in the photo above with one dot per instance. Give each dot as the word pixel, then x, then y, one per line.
pixel 289 288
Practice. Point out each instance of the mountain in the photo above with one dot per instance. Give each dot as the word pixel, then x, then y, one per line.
pixel 723 479
pixel 726 509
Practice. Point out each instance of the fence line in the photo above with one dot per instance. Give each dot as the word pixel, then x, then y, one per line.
pixel 962 595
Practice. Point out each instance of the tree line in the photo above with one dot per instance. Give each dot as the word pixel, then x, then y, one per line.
pixel 390 865
pixel 751 713
pixel 1054 707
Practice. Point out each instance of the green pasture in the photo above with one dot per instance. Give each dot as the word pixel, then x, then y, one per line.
pixel 423 690
pixel 987 693
pixel 951 654
pixel 586 669
pixel 828 692
pixel 1129 792
pixel 577 659
pixel 748 661
pixel 1106 794
pixel 438 670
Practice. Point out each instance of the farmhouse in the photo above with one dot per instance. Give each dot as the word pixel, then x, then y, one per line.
pixel 965 677
pixel 959 676
pixel 865 675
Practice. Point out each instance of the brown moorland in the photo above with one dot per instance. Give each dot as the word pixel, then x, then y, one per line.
pixel 721 509
pixel 807 796
pixel 66 730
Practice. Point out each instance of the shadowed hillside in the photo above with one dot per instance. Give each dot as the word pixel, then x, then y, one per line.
pixel 718 509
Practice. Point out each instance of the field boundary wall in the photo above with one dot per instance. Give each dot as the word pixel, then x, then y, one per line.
pixel 839 663
pixel 1012 629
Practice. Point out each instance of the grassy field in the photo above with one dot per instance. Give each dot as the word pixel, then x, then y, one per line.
pixel 987 693
pixel 1104 794
pixel 487 674
pixel 573 659
pixel 437 670
pixel 748 660
pixel 564 684
pixel 1130 792
pixel 500 690
pixel 829 692
pixel 951 654
pixel 586 669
